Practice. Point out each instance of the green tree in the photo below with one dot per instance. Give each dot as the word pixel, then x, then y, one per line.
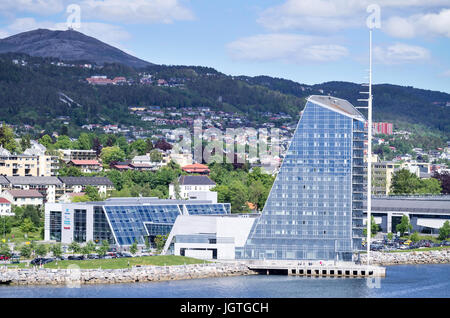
pixel 25 142
pixel 4 249
pixel 155 156
pixel 429 186
pixel 404 182
pixel 56 249
pixel 25 251
pixel 134 247
pixel 92 193
pixel 90 247
pixel 140 146
pixel 375 228
pixel 27 226
pixel 7 140
pixel 390 236
pixel 41 250
pixel 415 237
pixel 83 142
pixel 104 248
pixel 46 141
pixel 110 154
pixel 63 142
pixel 75 247
pixel 444 231
pixel 160 241
pixel 404 225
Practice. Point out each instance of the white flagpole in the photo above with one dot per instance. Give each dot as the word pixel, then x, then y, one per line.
pixel 369 152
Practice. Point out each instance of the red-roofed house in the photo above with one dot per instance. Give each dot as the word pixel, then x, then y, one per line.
pixel 5 207
pixel 196 168
pixel 86 166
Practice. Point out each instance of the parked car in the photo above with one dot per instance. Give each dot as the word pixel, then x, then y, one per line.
pixel 125 254
pixel 41 261
pixel 15 259
pixel 75 258
pixel 93 256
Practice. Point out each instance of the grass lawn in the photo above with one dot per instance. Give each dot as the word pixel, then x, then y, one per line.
pixel 115 263
pixel 19 236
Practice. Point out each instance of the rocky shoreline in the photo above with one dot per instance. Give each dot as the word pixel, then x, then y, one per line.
pixel 74 277
pixel 410 258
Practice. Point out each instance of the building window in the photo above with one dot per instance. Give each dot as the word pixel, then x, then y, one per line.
pixel 55 226
pixel 79 230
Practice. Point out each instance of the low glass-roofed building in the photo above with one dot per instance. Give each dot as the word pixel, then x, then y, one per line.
pixel 121 221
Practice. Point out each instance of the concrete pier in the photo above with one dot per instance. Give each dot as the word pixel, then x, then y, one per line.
pixel 316 269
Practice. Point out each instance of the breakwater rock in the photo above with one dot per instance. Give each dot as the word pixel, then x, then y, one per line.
pixel 75 276
pixel 416 257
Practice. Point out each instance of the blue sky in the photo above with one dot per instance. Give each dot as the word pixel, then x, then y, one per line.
pixel 308 41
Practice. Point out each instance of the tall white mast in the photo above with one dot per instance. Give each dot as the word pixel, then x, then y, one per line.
pixel 369 149
pixel 369 152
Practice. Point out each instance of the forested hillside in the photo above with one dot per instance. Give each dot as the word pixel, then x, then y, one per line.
pixel 34 94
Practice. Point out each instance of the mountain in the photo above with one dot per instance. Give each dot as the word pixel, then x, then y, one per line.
pixel 67 45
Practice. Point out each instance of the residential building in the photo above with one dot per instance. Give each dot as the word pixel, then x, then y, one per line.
pixel 78 184
pixel 121 221
pixel 86 166
pixel 193 187
pixel 182 159
pixel 5 207
pixel 51 188
pixel 382 128
pixel 23 197
pixel 28 165
pixel 196 168
pixel 314 209
pixel 77 154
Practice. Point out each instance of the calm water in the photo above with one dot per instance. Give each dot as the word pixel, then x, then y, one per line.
pixel 401 281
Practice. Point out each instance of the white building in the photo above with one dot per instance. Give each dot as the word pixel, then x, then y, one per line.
pixel 193 187
pixel 5 207
pixel 209 236
pixel 23 197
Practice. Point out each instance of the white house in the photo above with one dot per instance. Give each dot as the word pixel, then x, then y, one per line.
pixel 193 187
pixel 5 207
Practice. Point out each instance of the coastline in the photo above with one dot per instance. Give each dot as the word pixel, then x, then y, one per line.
pixel 408 258
pixel 75 276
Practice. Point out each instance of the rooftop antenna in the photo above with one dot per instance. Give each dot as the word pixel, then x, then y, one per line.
pixel 373 21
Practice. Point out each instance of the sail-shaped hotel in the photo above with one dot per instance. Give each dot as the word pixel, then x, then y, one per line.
pixel 315 208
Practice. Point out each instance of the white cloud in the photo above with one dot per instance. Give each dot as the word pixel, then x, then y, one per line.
pixel 335 15
pixel 400 53
pixel 138 11
pixel 42 7
pixel 125 11
pixel 285 47
pixel 446 73
pixel 430 24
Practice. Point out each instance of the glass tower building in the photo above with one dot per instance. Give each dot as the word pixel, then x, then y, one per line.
pixel 314 209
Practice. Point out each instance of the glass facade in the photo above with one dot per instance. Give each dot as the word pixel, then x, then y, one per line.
pixel 102 230
pixel 314 209
pixel 79 229
pixel 130 223
pixel 55 226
